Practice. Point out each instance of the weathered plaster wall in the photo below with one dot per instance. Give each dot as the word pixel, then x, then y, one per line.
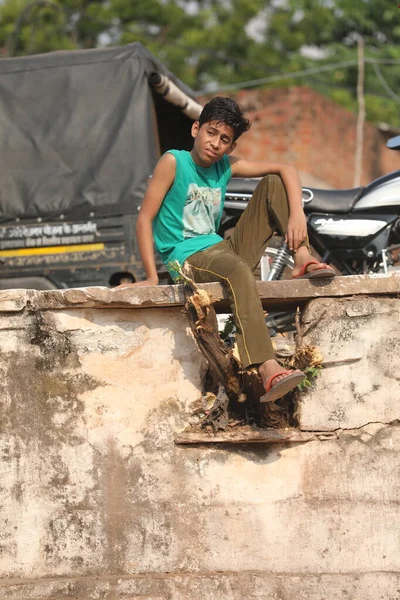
pixel 96 500
pixel 361 345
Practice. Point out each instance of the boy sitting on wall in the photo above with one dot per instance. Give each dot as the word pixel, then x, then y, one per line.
pixel 181 213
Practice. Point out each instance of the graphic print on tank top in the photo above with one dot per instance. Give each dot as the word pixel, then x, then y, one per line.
pixel 201 210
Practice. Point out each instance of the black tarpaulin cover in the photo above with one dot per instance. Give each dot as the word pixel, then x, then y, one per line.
pixel 81 131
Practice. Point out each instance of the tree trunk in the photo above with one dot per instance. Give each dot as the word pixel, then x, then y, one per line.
pixel 203 322
pixel 243 386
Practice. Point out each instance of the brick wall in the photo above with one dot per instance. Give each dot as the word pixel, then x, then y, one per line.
pixel 299 126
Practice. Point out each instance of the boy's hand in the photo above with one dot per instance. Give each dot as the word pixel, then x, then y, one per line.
pixel 296 230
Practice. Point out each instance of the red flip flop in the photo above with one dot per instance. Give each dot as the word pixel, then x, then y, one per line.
pixel 283 386
pixel 321 273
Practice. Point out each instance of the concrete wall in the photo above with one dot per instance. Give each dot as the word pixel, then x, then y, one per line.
pixel 97 502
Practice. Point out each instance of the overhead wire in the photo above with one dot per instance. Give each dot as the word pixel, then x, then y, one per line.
pixel 330 85
pixel 281 77
pixel 385 84
pixel 294 75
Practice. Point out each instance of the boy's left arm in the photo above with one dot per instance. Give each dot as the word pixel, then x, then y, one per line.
pixel 297 225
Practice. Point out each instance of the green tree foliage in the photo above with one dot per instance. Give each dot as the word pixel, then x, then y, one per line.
pixel 201 42
pixel 34 26
pixel 210 44
pixel 331 28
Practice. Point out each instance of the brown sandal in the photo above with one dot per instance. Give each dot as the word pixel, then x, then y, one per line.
pixel 321 273
pixel 292 380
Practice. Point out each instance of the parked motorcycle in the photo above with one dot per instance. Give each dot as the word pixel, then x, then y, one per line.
pixel 356 230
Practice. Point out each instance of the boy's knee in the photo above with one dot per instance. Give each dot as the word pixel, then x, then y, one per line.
pixel 270 182
pixel 272 179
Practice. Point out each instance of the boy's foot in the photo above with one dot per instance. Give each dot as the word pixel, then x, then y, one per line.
pixel 277 381
pixel 307 267
pixel 315 270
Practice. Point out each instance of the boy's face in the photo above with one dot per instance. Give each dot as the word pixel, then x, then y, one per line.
pixel 211 141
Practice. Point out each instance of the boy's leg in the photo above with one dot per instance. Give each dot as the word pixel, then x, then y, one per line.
pixel 267 210
pixel 220 263
pixel 233 261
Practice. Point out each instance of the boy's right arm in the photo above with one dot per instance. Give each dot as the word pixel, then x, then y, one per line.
pixel 159 184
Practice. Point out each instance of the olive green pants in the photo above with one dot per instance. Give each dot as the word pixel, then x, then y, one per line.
pixel 233 261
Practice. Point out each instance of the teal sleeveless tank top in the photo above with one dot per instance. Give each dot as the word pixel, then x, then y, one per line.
pixel 191 211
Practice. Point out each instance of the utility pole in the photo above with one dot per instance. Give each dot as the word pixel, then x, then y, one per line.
pixel 358 155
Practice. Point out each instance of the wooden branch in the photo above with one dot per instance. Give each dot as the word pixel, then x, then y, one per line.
pixel 340 361
pixel 299 334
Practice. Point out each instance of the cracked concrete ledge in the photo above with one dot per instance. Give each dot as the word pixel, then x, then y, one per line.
pixel 272 293
pixel 252 585
pixel 278 436
pixel 249 435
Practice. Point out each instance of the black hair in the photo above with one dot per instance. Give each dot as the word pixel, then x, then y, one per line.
pixel 226 111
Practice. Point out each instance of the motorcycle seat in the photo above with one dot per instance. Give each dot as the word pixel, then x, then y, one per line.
pixel 333 201
pixel 242 185
pixel 325 201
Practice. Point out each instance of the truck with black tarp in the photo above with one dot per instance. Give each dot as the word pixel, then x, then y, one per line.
pixel 81 132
